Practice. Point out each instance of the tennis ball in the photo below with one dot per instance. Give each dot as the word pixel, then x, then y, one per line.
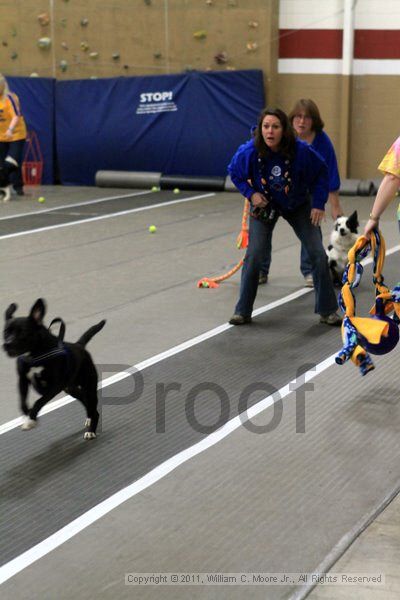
pixel 176 190
pixel 152 229
pixel 155 188
pixel 41 199
pixel 205 284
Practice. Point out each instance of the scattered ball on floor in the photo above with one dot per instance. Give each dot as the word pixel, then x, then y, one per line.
pixel 155 188
pixel 152 229
pixel 176 190
pixel 41 199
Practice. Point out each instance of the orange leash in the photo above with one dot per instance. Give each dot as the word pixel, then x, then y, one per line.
pixel 241 242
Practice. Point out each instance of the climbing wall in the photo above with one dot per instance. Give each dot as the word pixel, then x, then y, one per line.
pixel 20 31
pixel 70 39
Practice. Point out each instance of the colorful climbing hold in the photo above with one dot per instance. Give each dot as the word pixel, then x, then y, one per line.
pixel 44 19
pixel 44 43
pixel 200 35
pixel 251 46
pixel 221 58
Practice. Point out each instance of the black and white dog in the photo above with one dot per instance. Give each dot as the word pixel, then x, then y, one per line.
pixel 343 237
pixel 10 165
pixel 50 365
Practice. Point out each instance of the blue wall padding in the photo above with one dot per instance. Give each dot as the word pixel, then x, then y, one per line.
pixel 187 124
pixel 36 95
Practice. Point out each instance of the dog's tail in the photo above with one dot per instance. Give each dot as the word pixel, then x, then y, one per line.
pixel 87 336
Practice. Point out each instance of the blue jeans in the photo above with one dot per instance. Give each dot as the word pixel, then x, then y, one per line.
pixel 310 237
pixel 305 262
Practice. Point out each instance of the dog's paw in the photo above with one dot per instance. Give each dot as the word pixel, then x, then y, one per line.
pixel 88 422
pixel 5 193
pixel 28 424
pixel 89 435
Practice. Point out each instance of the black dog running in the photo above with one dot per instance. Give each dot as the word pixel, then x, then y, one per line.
pixel 51 365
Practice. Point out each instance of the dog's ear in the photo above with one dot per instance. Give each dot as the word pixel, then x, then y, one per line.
pixel 10 311
pixel 38 311
pixel 352 222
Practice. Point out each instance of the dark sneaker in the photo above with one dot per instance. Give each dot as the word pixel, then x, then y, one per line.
pixel 263 278
pixel 239 320
pixel 332 319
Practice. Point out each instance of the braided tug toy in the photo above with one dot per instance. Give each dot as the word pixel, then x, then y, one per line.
pixel 379 333
pixel 241 242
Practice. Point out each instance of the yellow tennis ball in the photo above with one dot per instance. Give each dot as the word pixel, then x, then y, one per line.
pixel 176 190
pixel 152 229
pixel 155 188
pixel 41 199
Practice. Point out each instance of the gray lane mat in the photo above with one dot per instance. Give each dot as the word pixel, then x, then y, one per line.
pixel 50 476
pixel 76 213
pixel 276 502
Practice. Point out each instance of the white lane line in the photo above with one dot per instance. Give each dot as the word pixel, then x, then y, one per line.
pixel 102 217
pixel 388 253
pixel 84 203
pixel 100 510
pixel 157 358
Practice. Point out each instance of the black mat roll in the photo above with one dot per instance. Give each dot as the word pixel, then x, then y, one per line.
pixel 366 188
pixel 127 179
pixel 229 185
pixel 376 183
pixel 192 182
pixel 349 187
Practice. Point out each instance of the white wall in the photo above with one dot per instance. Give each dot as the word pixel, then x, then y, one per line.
pixel 328 14
pixel 311 14
pixel 377 14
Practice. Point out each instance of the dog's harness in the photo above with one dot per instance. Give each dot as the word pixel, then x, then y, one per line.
pixel 378 334
pixel 28 361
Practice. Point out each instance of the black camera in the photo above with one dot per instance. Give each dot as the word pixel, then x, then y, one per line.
pixel 267 214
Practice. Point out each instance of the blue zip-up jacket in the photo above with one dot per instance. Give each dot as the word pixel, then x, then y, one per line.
pixel 308 174
pixel 323 145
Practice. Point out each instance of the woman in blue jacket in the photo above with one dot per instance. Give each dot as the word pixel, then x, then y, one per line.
pixel 281 175
pixel 308 125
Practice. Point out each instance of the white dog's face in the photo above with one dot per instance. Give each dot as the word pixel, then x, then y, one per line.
pixel 345 230
pixel 343 237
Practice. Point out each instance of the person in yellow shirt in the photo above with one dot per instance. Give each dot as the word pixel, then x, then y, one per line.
pixel 390 184
pixel 12 137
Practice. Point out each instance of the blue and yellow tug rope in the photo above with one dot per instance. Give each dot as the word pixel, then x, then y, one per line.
pixel 379 333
